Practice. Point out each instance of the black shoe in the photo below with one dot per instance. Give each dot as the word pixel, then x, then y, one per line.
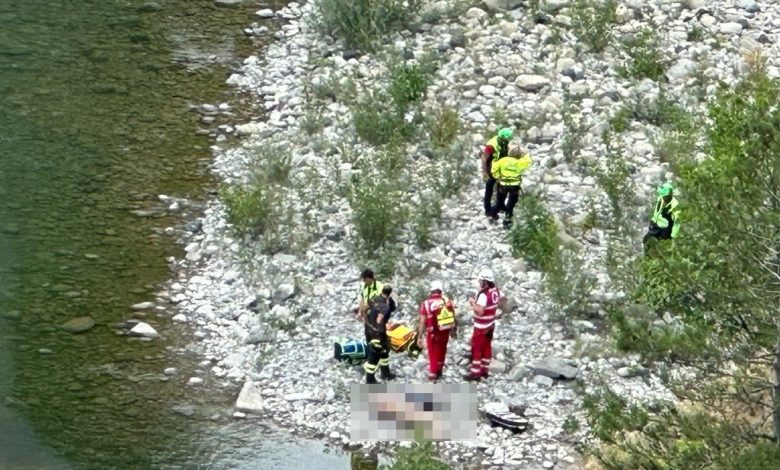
pixel 386 374
pixel 472 378
pixel 507 223
pixel 371 379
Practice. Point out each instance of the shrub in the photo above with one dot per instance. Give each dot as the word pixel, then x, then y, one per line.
pixel 593 22
pixel 379 212
pixel 248 208
pixel 444 124
pixel 408 83
pixel 614 179
pixel 658 111
pixel 418 457
pixel 362 23
pixel 568 285
pixel 645 59
pixel 574 129
pixel 534 235
pixel 378 121
pixel 426 217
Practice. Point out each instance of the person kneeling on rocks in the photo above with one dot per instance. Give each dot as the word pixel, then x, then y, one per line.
pixel 437 322
pixel 376 337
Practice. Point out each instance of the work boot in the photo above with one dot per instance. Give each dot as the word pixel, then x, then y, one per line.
pixel 386 374
pixel 472 378
pixel 371 379
pixel 507 223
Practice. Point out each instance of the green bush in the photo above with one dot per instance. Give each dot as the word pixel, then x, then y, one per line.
pixel 614 180
pixel 659 111
pixel 568 285
pixel 249 209
pixel 378 211
pixel 378 121
pixel 444 124
pixel 420 456
pixel 645 58
pixel 408 83
pixel 574 130
pixel 363 23
pixel 534 235
pixel 593 22
pixel 427 215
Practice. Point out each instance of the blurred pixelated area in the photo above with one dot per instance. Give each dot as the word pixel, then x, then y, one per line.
pixel 413 412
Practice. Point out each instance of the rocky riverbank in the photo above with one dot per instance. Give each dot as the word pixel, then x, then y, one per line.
pixel 266 321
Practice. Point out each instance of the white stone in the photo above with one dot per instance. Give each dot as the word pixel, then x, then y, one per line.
pixel 250 399
pixel 476 13
pixel 182 318
pixel 731 28
pixel 145 330
pixel 531 82
pixel 265 13
pixel 142 306
pixel 195 381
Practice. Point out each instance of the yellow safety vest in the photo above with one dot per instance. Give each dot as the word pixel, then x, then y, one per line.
pixel 509 170
pixel 370 291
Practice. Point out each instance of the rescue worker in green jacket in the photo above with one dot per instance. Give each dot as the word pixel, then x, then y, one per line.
pixel 496 148
pixel 508 171
pixel 665 223
pixel 376 337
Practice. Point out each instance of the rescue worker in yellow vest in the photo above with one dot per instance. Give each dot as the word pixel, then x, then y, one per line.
pixel 496 148
pixel 369 288
pixel 376 337
pixel 665 223
pixel 508 171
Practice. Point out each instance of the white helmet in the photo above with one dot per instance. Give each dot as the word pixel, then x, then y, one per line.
pixel 437 285
pixel 486 275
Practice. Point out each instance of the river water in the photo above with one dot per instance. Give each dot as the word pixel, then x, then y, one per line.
pixel 94 125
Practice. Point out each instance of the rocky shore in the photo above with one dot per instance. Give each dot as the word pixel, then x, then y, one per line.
pixel 265 323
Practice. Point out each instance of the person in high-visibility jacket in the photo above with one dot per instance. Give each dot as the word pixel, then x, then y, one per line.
pixel 665 222
pixel 370 289
pixel 508 171
pixel 496 148
pixel 437 323
pixel 376 337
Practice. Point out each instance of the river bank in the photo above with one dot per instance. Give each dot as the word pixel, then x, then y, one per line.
pixel 265 322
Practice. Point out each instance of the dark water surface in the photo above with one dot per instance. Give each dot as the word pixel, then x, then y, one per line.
pixel 94 125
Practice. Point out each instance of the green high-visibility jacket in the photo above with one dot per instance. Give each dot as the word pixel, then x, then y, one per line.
pixel 509 170
pixel 665 215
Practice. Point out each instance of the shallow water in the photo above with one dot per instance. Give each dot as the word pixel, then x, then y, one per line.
pixel 95 124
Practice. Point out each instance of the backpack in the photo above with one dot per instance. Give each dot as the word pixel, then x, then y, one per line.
pixel 445 320
pixel 346 349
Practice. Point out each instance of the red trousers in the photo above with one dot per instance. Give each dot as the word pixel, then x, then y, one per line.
pixel 437 349
pixel 481 351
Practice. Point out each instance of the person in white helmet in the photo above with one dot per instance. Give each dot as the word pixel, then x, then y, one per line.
pixel 437 323
pixel 484 307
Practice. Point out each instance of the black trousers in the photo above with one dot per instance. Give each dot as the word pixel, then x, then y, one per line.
pixel 490 185
pixel 378 353
pixel 507 200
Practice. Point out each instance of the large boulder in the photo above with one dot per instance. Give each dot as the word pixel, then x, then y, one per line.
pixel 555 368
pixel 249 399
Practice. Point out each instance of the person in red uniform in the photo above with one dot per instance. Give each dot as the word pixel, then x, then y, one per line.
pixel 437 321
pixel 484 307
